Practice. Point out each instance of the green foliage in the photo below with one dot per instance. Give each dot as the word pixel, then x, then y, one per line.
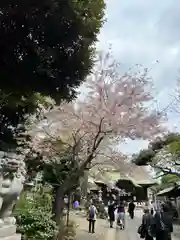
pixel 174 147
pixel 57 173
pixel 159 143
pixel 169 179
pixel 34 218
pixel 56 170
pixel 170 142
pixel 46 45
pixel 171 137
pixel 46 51
pixel 144 157
pixel 61 165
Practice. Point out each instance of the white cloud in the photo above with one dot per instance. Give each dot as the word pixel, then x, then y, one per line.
pixel 144 32
pixel 132 146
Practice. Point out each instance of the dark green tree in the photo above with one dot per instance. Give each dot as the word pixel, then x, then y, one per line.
pixel 169 180
pixel 145 156
pixel 47 49
pixel 163 154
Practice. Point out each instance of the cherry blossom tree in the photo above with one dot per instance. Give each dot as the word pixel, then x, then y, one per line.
pixel 115 108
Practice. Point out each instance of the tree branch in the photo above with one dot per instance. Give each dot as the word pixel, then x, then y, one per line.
pixel 79 172
pixel 167 170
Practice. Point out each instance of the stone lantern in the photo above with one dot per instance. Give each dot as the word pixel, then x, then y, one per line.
pixel 100 195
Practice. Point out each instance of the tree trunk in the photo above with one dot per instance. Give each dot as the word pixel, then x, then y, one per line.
pixel 58 204
pixel 85 184
pixel 66 187
pixel 68 209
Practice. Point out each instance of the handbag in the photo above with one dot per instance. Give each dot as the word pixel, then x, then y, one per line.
pixel 141 231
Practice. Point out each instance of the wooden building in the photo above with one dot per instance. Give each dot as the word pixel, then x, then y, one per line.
pixel 114 185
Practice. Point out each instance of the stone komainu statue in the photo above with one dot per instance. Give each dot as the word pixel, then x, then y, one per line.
pixel 12 177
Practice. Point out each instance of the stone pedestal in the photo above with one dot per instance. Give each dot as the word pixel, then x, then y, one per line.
pixel 8 232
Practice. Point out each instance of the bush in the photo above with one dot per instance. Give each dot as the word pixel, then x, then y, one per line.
pixel 34 218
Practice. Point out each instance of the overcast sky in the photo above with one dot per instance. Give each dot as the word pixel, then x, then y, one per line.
pixel 143 32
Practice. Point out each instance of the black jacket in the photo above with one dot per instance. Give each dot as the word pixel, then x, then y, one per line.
pixel 131 206
pixel 147 220
pixel 166 218
pixel 111 210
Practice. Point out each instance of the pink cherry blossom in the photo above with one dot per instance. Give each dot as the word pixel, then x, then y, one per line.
pixel 115 108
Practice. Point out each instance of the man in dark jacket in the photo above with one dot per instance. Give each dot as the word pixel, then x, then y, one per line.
pixel 163 223
pixel 111 210
pixel 131 209
pixel 147 221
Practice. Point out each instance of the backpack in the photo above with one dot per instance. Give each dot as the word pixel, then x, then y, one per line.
pixel 91 212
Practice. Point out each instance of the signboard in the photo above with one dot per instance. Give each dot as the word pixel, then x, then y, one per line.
pixel 122 192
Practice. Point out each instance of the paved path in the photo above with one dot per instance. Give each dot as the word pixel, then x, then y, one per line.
pixel 103 232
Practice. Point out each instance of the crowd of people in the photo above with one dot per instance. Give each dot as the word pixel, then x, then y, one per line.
pixel 156 222
pixel 112 207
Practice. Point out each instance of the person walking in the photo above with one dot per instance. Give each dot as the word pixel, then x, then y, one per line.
pixel 163 223
pixel 92 216
pixel 111 210
pixel 147 222
pixel 152 208
pixel 121 215
pixel 76 204
pixel 131 209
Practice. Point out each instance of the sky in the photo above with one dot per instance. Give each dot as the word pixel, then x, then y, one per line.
pixel 148 33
